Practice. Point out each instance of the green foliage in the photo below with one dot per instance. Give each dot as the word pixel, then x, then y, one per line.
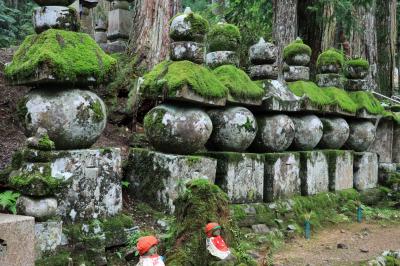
pixel 69 55
pixel 238 82
pixel 223 37
pixel 46 144
pixel 97 110
pixel 15 23
pixel 331 57
pixel 295 48
pixel 311 90
pixel 172 76
pixel 367 100
pixel 8 201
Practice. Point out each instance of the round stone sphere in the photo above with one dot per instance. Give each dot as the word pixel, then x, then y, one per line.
pixel 308 132
pixel 180 130
pixel 234 129
pixel 362 134
pixel 336 133
pixel 275 133
pixel 74 119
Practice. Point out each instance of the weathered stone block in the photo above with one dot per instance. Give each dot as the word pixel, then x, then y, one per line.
pixel 258 72
pixel 219 58
pixel 308 132
pixel 159 178
pixel 17 240
pixel 357 85
pixel 39 208
pixel 119 24
pixel 191 51
pixel 330 80
pixel 55 17
pixel 384 171
pixel 362 135
pixel 117 46
pixel 262 52
pixel 336 133
pixel 100 36
pixel 47 236
pixel 282 175
pixel 240 175
pixel 295 73
pixel 383 143
pixel 298 59
pixel 340 169
pixel 91 183
pixel 396 143
pixel 314 172
pixel 365 170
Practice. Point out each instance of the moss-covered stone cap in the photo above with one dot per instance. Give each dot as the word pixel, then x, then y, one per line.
pixel 188 27
pixel 58 56
pixel 295 48
pixel 330 57
pixel 239 83
pixel 223 37
pixel 170 77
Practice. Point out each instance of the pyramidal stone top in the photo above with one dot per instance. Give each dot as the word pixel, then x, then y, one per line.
pixel 188 27
pixel 262 52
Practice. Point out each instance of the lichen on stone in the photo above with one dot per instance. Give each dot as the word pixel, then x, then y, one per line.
pixel 238 82
pixel 330 57
pixel 295 48
pixel 223 37
pixel 66 55
pixel 170 77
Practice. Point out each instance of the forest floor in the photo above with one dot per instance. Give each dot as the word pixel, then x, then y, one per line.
pixel 363 242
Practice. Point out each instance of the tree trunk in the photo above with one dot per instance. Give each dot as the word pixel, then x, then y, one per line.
pixel 149 38
pixel 285 26
pixel 329 27
pixel 386 39
pixel 363 40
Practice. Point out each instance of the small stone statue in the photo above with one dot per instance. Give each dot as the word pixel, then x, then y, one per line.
pixel 216 245
pixel 147 248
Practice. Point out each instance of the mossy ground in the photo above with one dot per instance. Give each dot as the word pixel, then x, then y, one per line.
pixel 330 57
pixel 67 55
pixel 295 48
pixel 223 37
pixel 238 82
pixel 169 77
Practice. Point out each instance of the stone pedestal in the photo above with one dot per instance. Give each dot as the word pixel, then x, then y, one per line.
pixel 330 80
pixel 282 175
pixel 365 170
pixel 119 24
pixel 240 175
pixel 191 51
pixel 340 169
pixel 314 172
pixel 219 58
pixel 383 143
pixel 396 144
pixel 47 237
pixel 295 73
pixel 159 178
pixel 17 240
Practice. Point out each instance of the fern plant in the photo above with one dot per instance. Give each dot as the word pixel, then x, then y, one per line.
pixel 8 201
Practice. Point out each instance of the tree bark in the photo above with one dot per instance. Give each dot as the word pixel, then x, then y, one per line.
pixel 363 40
pixel 386 39
pixel 285 26
pixel 149 39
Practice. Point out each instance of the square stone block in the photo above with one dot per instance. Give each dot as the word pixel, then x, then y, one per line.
pixel 17 240
pixel 396 144
pixel 295 73
pixel 92 183
pixel 47 237
pixel 314 172
pixel 365 170
pixel 240 175
pixel 159 178
pixel 340 169
pixel 281 175
pixel 119 24
pixel 383 143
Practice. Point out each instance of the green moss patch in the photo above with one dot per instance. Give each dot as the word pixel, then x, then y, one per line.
pixel 170 77
pixel 45 144
pixel 341 98
pixel 312 91
pixel 367 101
pixel 359 63
pixel 67 56
pixel 198 28
pixel 295 48
pixel 238 82
pixel 223 37
pixel 330 57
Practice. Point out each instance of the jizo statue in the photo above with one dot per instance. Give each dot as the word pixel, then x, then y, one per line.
pixel 147 248
pixel 216 245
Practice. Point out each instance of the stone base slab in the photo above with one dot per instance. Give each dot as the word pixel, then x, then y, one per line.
pixel 159 178
pixel 240 175
pixel 340 169
pixel 365 170
pixel 314 173
pixel 259 72
pixel 295 73
pixel 219 58
pixel 18 240
pixel 281 175
pixel 329 80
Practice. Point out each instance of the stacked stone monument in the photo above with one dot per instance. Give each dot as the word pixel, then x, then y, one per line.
pixel 330 67
pixel 356 72
pixel 100 33
pixel 297 57
pixel 61 180
pixel 119 26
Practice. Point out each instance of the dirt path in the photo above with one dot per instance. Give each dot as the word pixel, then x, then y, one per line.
pixel 363 241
